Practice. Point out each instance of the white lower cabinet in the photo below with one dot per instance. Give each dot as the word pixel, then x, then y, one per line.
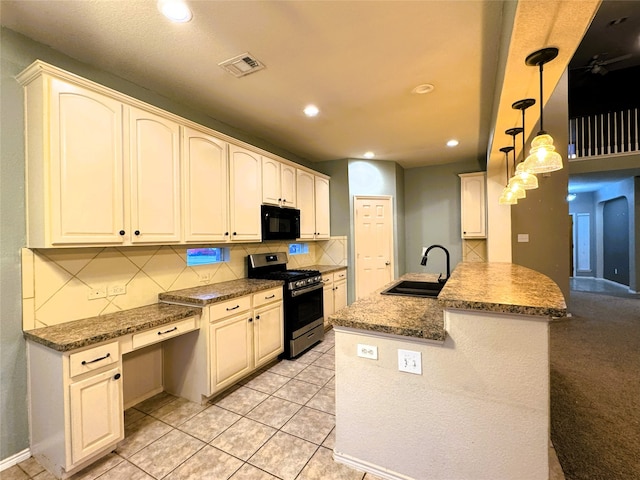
pixel 76 409
pixel 252 336
pixel 335 292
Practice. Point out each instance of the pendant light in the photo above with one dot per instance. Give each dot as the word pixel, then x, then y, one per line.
pixel 542 156
pixel 507 197
pixel 514 183
pixel 528 180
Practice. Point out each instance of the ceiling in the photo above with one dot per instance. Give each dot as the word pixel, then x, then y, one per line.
pixel 358 61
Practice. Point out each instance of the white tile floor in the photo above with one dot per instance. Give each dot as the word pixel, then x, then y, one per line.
pixel 277 424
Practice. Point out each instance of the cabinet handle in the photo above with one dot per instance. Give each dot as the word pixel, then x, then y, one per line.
pixel 280 200
pixel 233 308
pixel 284 200
pixel 137 232
pixel 234 233
pixel 117 376
pixel 226 234
pixel 121 232
pixel 84 362
pixel 257 317
pixel 250 320
pixel 272 296
pixel 168 331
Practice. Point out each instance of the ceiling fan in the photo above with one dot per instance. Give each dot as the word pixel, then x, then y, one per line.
pixel 597 65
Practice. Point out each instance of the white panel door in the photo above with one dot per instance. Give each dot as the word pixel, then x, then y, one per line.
pixel 154 157
pixel 373 243
pixel 231 350
pixel 86 170
pixel 206 194
pixel 245 183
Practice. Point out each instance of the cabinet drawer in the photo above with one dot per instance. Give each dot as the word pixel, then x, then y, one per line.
pixel 327 278
pixel 341 275
pixel 93 358
pixel 230 307
pixel 268 296
pixel 162 332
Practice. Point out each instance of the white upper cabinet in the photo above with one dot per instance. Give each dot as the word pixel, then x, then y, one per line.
pixel 74 165
pixel 278 183
pixel 473 205
pixel 313 202
pixel 154 157
pixel 245 194
pixel 205 180
pixel 323 219
pixel 306 204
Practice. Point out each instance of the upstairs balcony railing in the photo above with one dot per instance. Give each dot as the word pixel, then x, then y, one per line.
pixel 604 134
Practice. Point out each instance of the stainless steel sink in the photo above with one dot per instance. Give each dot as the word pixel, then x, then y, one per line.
pixel 413 288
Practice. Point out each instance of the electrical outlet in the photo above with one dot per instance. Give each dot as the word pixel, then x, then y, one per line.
pixel 367 351
pixel 119 289
pixel 410 361
pixel 205 276
pixel 97 292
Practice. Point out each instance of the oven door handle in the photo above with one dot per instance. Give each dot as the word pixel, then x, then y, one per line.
pixel 302 291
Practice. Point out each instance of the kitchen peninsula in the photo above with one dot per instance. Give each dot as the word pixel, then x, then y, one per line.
pixel 479 408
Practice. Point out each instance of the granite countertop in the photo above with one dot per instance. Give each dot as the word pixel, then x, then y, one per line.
pixel 218 292
pixel 399 315
pixel 326 268
pixel 502 288
pixel 88 331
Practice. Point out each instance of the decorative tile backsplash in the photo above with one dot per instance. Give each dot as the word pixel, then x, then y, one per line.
pixel 474 250
pixel 57 283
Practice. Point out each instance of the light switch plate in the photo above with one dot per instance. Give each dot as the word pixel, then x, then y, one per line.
pixel 410 361
pixel 367 351
pixel 523 237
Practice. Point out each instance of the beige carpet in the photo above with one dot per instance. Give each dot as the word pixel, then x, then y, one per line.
pixel 595 387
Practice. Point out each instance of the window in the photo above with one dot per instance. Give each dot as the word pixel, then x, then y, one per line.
pixel 206 256
pixel 298 248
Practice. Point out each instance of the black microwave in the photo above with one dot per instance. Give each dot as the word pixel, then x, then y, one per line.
pixel 280 223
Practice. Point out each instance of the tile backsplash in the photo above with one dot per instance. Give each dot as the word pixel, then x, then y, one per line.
pixel 57 283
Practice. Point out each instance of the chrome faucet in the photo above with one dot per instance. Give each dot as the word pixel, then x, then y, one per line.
pixel 426 255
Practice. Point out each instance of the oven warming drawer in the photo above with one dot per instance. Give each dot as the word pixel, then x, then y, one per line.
pixel 305 337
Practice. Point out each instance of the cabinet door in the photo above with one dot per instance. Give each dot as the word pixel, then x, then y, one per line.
pixel 245 181
pixel 305 199
pixel 231 348
pixel 205 192
pixel 97 417
pixel 339 295
pixel 327 298
pixel 271 180
pixel 322 207
pixel 154 158
pixel 288 185
pixel 86 166
pixel 268 333
pixel 473 210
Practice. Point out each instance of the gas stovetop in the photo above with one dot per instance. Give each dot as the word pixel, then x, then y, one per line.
pixel 273 266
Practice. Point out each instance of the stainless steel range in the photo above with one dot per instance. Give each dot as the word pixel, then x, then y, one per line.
pixel 303 300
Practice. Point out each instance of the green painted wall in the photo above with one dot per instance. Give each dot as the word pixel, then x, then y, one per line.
pixel 432 213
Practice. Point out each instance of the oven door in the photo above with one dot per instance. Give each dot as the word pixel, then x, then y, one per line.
pixel 302 308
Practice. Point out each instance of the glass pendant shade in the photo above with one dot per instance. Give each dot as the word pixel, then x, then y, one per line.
pixel 528 180
pixel 543 156
pixel 516 189
pixel 507 197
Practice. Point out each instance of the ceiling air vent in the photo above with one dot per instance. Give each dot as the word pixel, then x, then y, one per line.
pixel 242 65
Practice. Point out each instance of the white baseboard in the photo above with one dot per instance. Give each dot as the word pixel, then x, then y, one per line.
pixel 15 459
pixel 368 467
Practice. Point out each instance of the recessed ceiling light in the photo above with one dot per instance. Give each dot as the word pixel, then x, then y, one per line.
pixel 452 143
pixel 175 10
pixel 311 110
pixel 424 88
pixel 369 155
